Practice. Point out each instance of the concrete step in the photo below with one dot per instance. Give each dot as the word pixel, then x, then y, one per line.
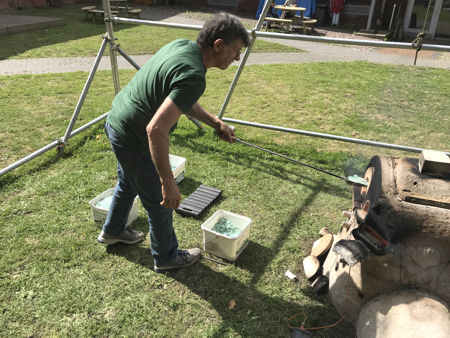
pixel 10 24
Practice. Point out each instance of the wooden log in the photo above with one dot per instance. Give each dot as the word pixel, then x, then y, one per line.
pixel 322 246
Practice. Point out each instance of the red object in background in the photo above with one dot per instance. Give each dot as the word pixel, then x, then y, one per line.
pixel 336 6
pixel 31 4
pixel 39 3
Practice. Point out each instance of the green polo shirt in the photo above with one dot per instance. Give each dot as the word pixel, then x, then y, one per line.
pixel 177 71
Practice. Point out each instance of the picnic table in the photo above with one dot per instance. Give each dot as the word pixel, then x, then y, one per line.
pixel 117 3
pixel 117 6
pixel 310 6
pixel 290 16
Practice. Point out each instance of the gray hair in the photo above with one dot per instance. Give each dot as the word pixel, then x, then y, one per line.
pixel 222 26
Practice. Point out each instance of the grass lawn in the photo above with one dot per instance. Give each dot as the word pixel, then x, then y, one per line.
pixel 79 37
pixel 56 280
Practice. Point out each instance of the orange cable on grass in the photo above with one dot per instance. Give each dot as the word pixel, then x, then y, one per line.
pixel 321 327
pixel 311 328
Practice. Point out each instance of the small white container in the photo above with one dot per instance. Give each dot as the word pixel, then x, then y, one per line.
pixel 221 245
pixel 178 165
pixel 99 213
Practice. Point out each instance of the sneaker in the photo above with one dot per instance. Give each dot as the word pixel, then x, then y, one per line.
pixel 183 259
pixel 128 237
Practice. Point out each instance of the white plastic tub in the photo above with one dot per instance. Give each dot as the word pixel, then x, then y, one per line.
pixel 99 213
pixel 178 165
pixel 222 245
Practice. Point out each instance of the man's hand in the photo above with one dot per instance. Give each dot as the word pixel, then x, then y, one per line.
pixel 171 194
pixel 225 132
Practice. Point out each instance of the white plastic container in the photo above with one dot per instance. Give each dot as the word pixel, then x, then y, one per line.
pixel 178 165
pixel 222 245
pixel 99 213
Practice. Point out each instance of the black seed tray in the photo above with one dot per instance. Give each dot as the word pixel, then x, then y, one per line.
pixel 199 200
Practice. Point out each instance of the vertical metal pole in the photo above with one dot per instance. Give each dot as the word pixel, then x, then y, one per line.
pixel 369 20
pixel 112 44
pixel 392 16
pixel 64 140
pixel 245 57
pixel 383 5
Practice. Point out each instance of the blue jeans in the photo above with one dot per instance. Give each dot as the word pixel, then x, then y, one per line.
pixel 137 175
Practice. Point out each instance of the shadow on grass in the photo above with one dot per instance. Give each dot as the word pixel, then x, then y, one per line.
pixel 253 307
pixel 276 168
pixel 256 314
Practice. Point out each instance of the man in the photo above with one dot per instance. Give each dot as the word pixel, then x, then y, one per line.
pixel 138 126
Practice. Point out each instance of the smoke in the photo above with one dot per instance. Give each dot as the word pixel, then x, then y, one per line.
pixel 355 165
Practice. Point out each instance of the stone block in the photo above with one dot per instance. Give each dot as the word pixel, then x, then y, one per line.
pixel 434 163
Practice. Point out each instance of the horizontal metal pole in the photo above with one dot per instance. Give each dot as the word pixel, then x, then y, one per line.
pixel 327 136
pixel 29 157
pixel 156 23
pixel 50 146
pixel 373 43
pixel 87 125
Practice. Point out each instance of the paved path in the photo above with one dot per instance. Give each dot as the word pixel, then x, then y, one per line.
pixel 313 52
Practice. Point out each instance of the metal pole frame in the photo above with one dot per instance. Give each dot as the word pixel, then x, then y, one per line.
pixel 109 37
pixel 254 34
pixel 65 138
pixel 63 142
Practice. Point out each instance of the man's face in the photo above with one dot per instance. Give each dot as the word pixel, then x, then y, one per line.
pixel 229 52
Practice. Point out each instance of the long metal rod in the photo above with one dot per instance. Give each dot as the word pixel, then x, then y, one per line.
pixel 84 92
pixel 290 159
pixel 326 136
pixel 244 58
pixel 50 146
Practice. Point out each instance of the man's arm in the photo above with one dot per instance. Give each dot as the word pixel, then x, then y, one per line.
pixel 222 129
pixel 158 139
